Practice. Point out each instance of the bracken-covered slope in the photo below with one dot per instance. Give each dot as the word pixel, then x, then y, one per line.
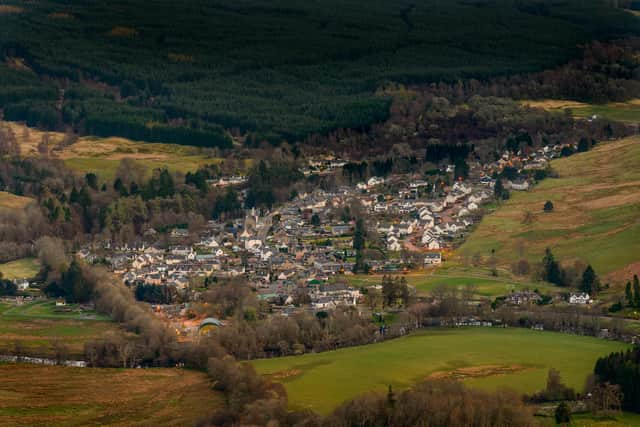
pixel 596 215
pixel 173 71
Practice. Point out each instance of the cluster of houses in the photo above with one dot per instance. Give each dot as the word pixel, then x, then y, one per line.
pixel 305 244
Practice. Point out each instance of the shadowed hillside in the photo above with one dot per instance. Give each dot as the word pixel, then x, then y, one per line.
pixel 182 71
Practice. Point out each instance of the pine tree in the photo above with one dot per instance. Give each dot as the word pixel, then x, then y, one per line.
pixel 636 292
pixel 629 294
pixel 358 238
pixel 589 281
pixel 498 189
pixel 552 270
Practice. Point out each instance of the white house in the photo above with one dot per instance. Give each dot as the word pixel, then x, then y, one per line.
pixel 209 242
pixel 393 244
pixel 375 180
pixel 252 244
pixel 581 298
pixel 433 258
pixel 518 185
pixel 22 284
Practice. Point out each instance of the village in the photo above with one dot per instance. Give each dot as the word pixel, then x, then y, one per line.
pixel 306 246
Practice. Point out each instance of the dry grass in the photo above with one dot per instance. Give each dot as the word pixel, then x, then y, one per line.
pixel 103 155
pixel 179 57
pixel 554 104
pixel 29 138
pixel 24 268
pixel 482 371
pixel 625 112
pixel 11 201
pixel 126 32
pixel 595 219
pixel 7 9
pixel 38 395
pixel 60 15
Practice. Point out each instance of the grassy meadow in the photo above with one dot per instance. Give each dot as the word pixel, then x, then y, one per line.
pixel 102 156
pixel 595 219
pixel 24 268
pixel 625 419
pixel 481 357
pixel 625 112
pixel 37 325
pixel 485 285
pixel 59 396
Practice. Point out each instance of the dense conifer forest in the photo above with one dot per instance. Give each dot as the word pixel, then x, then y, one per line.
pixel 192 71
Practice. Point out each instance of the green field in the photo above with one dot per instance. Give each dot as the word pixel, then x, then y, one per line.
pixel 25 268
pixel 485 285
pixel 102 156
pixel 625 419
pixel 595 219
pixel 483 357
pixel 37 325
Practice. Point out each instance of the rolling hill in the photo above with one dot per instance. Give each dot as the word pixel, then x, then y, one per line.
pixel 596 200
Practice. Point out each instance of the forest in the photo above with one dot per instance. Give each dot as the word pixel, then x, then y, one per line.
pixel 197 72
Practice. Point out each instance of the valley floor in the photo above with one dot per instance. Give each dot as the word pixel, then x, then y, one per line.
pixel 481 357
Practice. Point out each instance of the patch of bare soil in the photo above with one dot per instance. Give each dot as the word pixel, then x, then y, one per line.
pixel 481 371
pixel 624 274
pixel 283 375
pixel 614 200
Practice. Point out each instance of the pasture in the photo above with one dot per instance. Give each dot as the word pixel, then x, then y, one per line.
pixel 60 396
pixel 625 112
pixel 25 268
pixel 37 325
pixel 484 285
pixel 481 357
pixel 595 219
pixel 625 419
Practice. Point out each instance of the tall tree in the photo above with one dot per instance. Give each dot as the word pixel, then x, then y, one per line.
pixel 589 281
pixel 552 271
pixel 629 295
pixel 358 238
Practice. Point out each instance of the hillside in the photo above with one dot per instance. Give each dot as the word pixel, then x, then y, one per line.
pixel 595 219
pixel 103 156
pixel 181 72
